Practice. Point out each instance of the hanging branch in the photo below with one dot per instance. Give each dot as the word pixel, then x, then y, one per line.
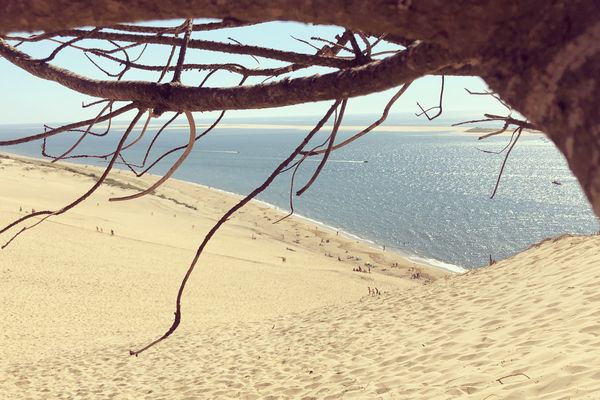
pixel 519 131
pixel 98 134
pixel 48 213
pixel 296 166
pixel 173 168
pixel 149 148
pixel 336 126
pixel 504 148
pixel 101 156
pixel 224 219
pixel 74 146
pixel 438 107
pixel 374 125
pixel 68 127
pixel 175 149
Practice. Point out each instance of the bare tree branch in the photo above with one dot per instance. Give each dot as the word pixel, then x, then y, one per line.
pixel 332 136
pixel 438 107
pixel 68 127
pixel 377 75
pixel 224 219
pixel 512 145
pixel 182 50
pixel 77 201
pixel 173 168
pixel 374 125
pixel 256 51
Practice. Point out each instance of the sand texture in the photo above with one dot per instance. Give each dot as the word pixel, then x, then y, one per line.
pixel 74 299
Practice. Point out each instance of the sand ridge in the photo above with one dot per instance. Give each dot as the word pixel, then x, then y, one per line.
pixel 257 327
pixel 108 269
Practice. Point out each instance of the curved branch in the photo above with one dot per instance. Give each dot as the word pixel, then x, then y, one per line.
pixel 408 65
pixel 173 168
pixel 68 127
pixel 332 136
pixel 439 107
pixel 47 214
pixel 224 219
pixel 512 145
pixel 83 136
pixel 369 128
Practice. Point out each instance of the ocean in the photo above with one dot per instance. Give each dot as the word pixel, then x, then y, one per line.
pixel 424 194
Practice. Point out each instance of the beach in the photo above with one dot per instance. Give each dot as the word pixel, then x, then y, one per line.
pixel 282 310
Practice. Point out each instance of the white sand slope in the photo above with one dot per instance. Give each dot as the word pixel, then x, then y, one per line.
pixel 73 301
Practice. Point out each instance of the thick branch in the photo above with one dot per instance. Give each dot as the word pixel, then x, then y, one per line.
pixel 376 76
pixel 433 20
pixel 550 75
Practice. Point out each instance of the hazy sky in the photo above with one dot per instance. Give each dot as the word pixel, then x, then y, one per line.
pixel 27 99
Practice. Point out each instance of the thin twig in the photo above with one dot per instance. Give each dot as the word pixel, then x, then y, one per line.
pixel 334 131
pixel 374 125
pixel 499 380
pixel 67 127
pixel 520 129
pixel 240 43
pixel 504 148
pixel 182 51
pixel 173 168
pixel 48 213
pixel 78 142
pixel 296 167
pixel 492 94
pixel 438 107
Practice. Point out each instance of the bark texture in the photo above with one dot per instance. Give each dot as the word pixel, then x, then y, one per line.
pixel 549 70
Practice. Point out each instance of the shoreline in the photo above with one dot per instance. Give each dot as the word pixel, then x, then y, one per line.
pixel 114 268
pixel 424 261
pixel 428 262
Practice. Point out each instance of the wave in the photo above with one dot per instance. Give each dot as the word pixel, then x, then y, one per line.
pixel 341 161
pixel 219 151
pixel 317 160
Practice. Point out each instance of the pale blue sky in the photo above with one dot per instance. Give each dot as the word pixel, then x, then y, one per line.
pixel 27 99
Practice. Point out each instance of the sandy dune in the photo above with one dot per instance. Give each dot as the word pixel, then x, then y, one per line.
pixel 74 300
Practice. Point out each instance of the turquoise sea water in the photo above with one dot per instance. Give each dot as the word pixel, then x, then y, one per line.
pixel 423 194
